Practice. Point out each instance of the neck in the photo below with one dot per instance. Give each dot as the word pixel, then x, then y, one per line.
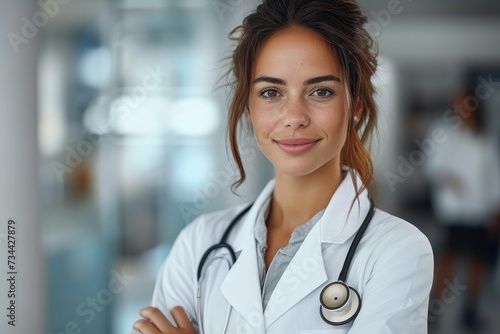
pixel 296 199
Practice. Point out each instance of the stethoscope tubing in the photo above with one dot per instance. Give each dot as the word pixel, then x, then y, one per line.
pixel 355 242
pixel 223 244
pixel 198 296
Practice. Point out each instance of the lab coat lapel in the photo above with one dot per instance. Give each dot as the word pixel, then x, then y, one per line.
pixel 241 287
pixel 340 222
pixel 304 274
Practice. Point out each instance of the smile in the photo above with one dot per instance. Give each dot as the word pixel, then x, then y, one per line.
pixel 297 145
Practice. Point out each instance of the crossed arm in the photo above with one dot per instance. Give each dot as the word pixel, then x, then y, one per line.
pixel 155 322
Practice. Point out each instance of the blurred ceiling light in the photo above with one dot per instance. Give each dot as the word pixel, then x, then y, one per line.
pixel 95 67
pixel 51 118
pixel 190 172
pixel 192 166
pixel 96 116
pixel 51 135
pixel 194 117
pixel 146 117
pixel 155 116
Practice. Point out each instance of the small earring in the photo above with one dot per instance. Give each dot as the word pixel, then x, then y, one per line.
pixel 355 118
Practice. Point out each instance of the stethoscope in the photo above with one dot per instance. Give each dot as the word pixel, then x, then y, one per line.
pixel 339 303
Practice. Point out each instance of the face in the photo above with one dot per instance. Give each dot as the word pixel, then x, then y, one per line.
pixel 297 103
pixel 464 110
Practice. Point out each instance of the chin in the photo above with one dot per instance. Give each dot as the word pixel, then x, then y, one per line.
pixel 296 169
pixel 306 166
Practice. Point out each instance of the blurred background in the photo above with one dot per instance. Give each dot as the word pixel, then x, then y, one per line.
pixel 131 141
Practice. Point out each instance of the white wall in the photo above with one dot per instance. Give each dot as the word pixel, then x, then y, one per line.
pixel 19 175
pixel 450 40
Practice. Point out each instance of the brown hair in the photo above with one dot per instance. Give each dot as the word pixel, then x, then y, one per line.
pixel 340 23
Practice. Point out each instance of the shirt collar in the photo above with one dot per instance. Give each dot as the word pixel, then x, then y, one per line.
pixel 298 234
pixel 338 222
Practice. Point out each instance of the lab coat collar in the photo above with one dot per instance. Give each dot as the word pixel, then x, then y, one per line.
pixel 306 272
pixel 241 286
pixel 338 224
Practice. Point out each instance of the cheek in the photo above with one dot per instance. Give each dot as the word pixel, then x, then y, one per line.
pixel 252 112
pixel 261 128
pixel 262 122
pixel 335 124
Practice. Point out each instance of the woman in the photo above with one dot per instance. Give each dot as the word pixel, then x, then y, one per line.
pixel 303 73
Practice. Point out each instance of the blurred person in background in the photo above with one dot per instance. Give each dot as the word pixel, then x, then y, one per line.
pixel 465 177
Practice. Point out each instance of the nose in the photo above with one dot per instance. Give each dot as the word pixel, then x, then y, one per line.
pixel 295 114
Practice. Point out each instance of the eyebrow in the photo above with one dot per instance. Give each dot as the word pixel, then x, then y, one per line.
pixel 311 81
pixel 323 78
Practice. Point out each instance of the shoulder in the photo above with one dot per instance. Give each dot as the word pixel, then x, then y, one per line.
pixel 396 253
pixel 196 237
pixel 395 237
pixel 396 271
pixel 208 228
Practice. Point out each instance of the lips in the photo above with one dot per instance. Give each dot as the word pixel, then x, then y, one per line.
pixel 296 145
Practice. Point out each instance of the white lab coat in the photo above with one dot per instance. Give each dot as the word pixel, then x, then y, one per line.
pixel 473 160
pixel 392 270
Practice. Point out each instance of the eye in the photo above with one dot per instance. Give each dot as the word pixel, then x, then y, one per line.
pixel 323 92
pixel 269 93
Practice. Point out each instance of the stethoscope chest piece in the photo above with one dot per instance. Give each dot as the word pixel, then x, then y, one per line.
pixel 339 303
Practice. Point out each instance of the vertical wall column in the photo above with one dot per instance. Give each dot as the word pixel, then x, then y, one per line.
pixel 22 283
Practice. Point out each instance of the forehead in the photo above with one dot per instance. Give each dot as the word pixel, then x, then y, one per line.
pixel 296 52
